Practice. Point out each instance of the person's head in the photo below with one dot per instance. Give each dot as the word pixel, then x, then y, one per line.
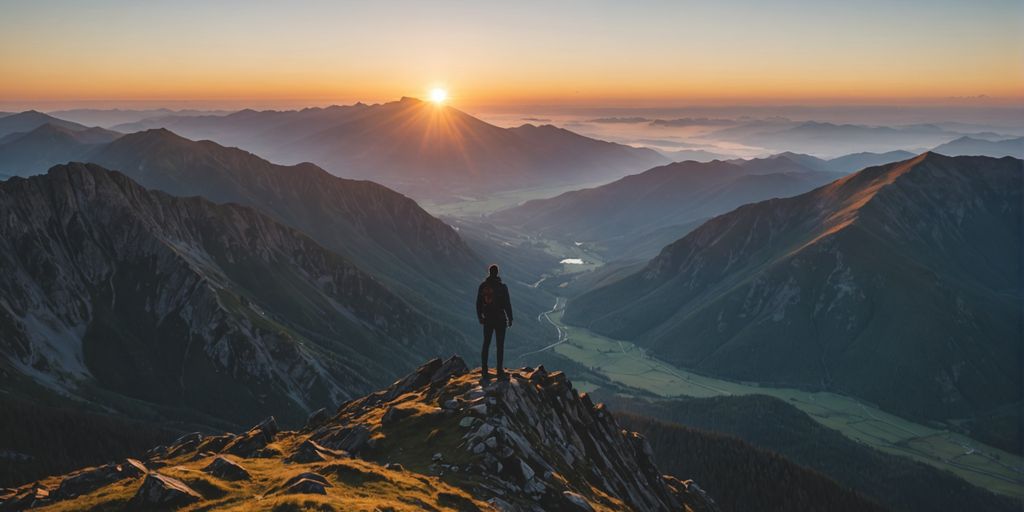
pixel 492 271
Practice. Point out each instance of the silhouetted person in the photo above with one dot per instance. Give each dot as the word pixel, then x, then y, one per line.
pixel 494 310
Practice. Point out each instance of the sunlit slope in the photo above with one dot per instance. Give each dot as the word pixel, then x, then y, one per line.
pixel 434 440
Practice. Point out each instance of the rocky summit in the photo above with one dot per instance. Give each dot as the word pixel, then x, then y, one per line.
pixel 437 439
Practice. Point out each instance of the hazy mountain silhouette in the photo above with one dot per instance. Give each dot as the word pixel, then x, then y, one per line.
pixel 831 139
pixel 972 146
pixel 381 231
pixel 29 120
pixel 638 215
pixel 897 284
pixel 417 147
pixel 46 145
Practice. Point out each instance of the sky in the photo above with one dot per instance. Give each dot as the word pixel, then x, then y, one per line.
pixel 260 53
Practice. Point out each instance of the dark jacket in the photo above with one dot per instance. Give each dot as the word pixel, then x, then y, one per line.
pixel 493 305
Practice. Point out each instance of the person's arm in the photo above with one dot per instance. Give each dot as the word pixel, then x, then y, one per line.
pixel 480 305
pixel 508 306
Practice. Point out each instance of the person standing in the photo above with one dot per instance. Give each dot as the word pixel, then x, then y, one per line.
pixel 494 311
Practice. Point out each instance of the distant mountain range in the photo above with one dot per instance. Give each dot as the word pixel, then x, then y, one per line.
pixel 113 292
pixel 29 120
pixel 417 147
pixel 982 147
pixel 636 216
pixel 381 231
pixel 47 145
pixel 824 138
pixel 108 118
pixel 898 284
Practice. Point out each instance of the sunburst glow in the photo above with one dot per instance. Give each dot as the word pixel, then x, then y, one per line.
pixel 438 95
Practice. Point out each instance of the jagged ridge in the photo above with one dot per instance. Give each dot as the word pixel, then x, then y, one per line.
pixel 434 440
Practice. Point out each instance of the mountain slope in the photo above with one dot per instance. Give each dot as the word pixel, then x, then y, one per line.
pixel 37 150
pixel 665 201
pixel 381 231
pixel 420 148
pixel 29 120
pixel 972 146
pixel 894 284
pixel 433 440
pixel 762 480
pixel 111 289
pixel 774 425
pixel 824 138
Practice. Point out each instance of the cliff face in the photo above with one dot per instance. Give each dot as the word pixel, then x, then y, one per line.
pixel 185 303
pixel 434 440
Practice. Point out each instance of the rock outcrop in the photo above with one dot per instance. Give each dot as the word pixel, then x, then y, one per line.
pixel 435 439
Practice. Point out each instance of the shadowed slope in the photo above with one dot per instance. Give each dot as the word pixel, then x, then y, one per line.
pixel 895 284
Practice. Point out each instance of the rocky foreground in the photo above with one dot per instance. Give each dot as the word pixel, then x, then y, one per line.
pixel 434 440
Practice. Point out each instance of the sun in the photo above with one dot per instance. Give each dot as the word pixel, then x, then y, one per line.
pixel 438 95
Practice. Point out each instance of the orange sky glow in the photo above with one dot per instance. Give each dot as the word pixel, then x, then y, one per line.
pixel 491 54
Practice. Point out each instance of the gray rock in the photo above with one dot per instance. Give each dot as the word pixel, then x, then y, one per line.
pixel 317 418
pixel 226 469
pixel 161 491
pixel 307 486
pixel 395 414
pixel 526 470
pixel 86 481
pixel 573 502
pixel 310 451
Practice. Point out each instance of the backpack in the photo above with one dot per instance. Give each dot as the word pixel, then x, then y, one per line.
pixel 488 294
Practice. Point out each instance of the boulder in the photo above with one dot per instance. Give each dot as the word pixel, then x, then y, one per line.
pixel 316 419
pixel 310 451
pixel 572 502
pixel 396 413
pixel 226 469
pixel 452 367
pixel 214 444
pixel 161 491
pixel 184 444
pixel 252 442
pixel 526 470
pixel 306 483
pixel 91 479
pixel 350 439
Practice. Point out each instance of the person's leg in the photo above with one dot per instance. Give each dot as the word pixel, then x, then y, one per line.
pixel 499 337
pixel 486 349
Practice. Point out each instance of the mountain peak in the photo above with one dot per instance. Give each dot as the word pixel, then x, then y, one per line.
pixel 435 438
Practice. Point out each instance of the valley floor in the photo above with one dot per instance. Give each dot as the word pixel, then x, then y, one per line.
pixel 624 363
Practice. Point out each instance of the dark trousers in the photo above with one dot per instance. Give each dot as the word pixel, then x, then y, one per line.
pixel 499 337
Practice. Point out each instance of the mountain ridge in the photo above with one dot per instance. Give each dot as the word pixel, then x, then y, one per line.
pixel 435 439
pixel 790 291
pixel 237 310
pixel 408 143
